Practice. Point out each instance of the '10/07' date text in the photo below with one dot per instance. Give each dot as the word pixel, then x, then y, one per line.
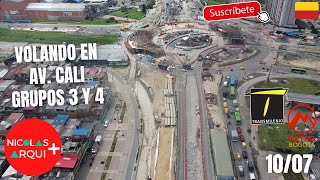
pixel 276 163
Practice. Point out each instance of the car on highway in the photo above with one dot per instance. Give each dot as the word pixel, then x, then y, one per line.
pixel 311 174
pixel 106 124
pixel 252 177
pixel 238 156
pixel 225 83
pixel 243 145
pixel 242 68
pixel 239 130
pixel 312 177
pixel 245 154
pixel 225 104
pixel 287 104
pixel 241 171
pixel 250 166
pixel 242 138
pixel 226 110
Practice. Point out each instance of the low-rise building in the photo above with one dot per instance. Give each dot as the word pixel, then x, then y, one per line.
pixel 109 55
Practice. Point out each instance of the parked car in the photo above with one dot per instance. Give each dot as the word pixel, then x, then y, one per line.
pixel 239 130
pixel 242 138
pixel 245 154
pixel 238 156
pixel 242 68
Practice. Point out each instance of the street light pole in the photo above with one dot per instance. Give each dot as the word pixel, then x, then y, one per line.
pixel 268 78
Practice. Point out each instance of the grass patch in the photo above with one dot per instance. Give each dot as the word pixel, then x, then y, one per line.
pixel 108 161
pixel 114 141
pixel 103 176
pixel 96 21
pixel 122 113
pixel 213 2
pixel 131 13
pixel 301 24
pixel 54 37
pixel 276 139
pixel 291 175
pixel 295 85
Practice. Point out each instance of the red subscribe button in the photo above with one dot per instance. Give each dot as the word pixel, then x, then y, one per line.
pixel 232 11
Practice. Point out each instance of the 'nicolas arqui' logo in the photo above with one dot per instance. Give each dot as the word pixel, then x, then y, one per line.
pixel 32 147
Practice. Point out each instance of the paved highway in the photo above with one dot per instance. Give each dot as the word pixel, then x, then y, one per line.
pixel 134 128
pixel 84 28
pixel 180 92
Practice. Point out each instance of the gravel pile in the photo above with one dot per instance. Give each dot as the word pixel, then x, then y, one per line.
pixel 193 161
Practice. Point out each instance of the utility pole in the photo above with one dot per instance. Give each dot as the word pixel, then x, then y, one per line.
pixel 268 78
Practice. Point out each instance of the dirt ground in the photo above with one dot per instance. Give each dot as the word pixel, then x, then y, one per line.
pixel 304 63
pixel 214 110
pixel 7 48
pixel 157 81
pixel 163 165
pixel 123 71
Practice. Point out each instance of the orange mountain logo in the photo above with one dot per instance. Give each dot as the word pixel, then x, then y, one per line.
pixel 299 118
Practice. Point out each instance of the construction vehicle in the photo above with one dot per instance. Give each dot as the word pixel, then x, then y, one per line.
pixel 125 27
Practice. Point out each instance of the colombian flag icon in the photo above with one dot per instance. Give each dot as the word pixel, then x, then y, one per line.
pixel 307 10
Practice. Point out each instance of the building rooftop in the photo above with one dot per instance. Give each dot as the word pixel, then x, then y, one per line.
pixel 80 132
pixel 55 7
pixel 11 172
pixel 3 72
pixel 4 84
pixel 221 153
pixel 303 98
pixel 112 53
pixel 14 117
pixel 60 119
pixel 66 162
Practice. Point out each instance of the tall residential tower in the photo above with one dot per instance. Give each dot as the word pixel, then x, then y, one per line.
pixel 281 12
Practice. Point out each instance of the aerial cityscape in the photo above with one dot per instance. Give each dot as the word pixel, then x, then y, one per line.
pixel 160 89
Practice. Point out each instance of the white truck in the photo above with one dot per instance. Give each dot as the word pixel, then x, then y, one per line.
pixel 96 145
pixel 235 103
pixel 234 135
